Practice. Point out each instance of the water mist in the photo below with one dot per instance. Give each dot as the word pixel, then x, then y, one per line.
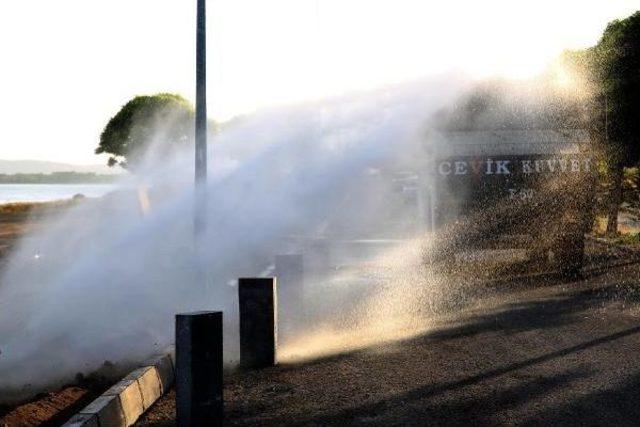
pixel 102 281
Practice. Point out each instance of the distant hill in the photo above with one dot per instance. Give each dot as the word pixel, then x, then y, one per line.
pixel 44 167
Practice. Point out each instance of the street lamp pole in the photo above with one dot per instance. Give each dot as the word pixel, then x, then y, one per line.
pixel 201 120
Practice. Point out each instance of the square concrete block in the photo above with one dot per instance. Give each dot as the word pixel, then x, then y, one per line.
pixel 134 375
pixel 128 391
pixel 117 388
pixel 165 370
pixel 150 387
pixel 83 420
pixel 109 411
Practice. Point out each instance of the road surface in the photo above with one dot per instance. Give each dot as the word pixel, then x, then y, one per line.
pixel 539 351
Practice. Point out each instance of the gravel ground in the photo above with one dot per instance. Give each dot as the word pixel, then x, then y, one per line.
pixel 536 352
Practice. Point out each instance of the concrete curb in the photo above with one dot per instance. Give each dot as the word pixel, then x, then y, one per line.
pixel 123 403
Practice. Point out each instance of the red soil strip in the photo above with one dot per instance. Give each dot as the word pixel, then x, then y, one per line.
pixel 52 409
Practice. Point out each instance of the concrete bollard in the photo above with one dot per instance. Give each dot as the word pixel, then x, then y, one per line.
pixel 290 273
pixel 258 322
pixel 199 369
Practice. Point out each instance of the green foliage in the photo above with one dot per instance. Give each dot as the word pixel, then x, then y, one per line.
pixel 611 71
pixel 618 70
pixel 162 122
pixel 628 239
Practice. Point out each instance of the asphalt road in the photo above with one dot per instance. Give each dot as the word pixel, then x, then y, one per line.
pixel 537 351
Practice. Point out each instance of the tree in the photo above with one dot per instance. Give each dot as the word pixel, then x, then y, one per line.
pixel 147 126
pixel 610 72
pixel 617 66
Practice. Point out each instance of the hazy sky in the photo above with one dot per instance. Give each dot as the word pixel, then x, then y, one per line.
pixel 68 65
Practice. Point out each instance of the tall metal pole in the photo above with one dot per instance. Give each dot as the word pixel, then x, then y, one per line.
pixel 201 120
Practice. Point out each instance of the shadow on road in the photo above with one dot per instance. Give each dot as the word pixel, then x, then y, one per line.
pixel 560 355
pixel 510 390
pixel 617 406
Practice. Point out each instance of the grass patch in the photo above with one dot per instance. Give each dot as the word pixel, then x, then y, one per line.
pixel 628 239
pixel 628 234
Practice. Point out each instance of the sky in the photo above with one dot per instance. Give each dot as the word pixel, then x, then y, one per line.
pixel 67 66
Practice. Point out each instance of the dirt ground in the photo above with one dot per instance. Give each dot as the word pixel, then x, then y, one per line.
pixel 15 221
pixel 537 352
pixel 51 409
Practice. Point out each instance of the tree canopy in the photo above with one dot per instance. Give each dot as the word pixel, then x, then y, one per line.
pixel 611 71
pixel 147 125
pixel 618 71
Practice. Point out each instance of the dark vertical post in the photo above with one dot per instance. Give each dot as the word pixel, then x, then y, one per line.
pixel 290 274
pixel 258 322
pixel 201 119
pixel 199 369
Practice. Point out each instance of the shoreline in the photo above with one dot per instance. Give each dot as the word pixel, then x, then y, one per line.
pixel 50 192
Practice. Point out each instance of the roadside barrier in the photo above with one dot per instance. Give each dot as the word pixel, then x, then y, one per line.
pixel 199 379
pixel 123 403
